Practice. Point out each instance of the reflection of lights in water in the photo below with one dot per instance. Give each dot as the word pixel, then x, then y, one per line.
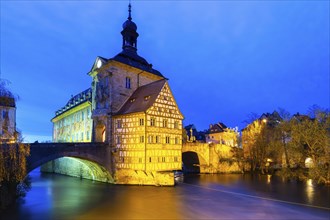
pixel 309 190
pixel 49 190
pixel 269 178
pixel 178 177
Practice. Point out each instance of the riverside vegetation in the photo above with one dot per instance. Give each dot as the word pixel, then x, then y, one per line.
pixel 296 146
pixel 13 153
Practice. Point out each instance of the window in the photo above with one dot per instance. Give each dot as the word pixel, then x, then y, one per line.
pixel 167 140
pixel 150 139
pixel 165 123
pixel 128 82
pixel 88 113
pixel 141 139
pixel 118 139
pixel 150 159
pixel 175 159
pixel 82 136
pixel 4 114
pixel 176 124
pixel 119 123
pixel 157 139
pixel 141 121
pixel 87 135
pixel 152 122
pixel 140 160
pixel 176 140
pixel 163 159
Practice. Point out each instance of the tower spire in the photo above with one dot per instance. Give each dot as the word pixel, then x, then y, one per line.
pixel 129 32
pixel 129 11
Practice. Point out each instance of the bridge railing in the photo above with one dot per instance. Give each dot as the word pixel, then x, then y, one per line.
pixel 69 144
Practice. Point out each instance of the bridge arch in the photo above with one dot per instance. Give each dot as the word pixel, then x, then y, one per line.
pixel 193 162
pixel 78 167
pixel 84 160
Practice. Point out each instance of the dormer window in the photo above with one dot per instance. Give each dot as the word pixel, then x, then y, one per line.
pixel 146 98
pixel 128 82
pixel 132 100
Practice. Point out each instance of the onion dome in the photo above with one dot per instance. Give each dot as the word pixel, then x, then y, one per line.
pixel 129 33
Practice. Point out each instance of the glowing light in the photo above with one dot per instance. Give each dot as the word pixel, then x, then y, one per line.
pixel 264 120
pixel 99 64
pixel 309 162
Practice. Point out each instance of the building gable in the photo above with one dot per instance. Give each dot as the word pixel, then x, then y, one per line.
pixel 165 105
pixel 98 63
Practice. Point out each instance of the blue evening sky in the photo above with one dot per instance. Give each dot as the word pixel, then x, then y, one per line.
pixel 224 59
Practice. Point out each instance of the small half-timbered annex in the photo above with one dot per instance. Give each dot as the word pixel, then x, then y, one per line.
pixel 148 130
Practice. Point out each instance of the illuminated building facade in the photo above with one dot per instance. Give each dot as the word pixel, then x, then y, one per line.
pixel 131 107
pixel 73 122
pixel 7 118
pixel 148 130
pixel 219 133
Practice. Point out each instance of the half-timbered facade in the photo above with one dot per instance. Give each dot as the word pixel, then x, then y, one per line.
pixel 148 130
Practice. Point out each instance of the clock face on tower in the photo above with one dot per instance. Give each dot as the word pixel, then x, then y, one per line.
pixel 99 64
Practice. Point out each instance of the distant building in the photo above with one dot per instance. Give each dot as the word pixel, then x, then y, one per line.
pixel 219 133
pixel 130 106
pixel 73 122
pixel 250 132
pixel 8 132
pixel 300 117
pixel 193 135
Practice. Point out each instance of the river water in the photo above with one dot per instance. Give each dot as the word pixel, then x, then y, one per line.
pixel 229 196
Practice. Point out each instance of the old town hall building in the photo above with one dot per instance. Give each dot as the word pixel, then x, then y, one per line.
pixel 130 106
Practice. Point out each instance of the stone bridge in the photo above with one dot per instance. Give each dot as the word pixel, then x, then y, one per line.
pixel 195 157
pixel 208 158
pixel 93 158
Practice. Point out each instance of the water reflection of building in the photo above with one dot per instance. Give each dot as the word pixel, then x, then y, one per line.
pixel 130 106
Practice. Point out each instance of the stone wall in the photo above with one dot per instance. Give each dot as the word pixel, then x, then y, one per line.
pixel 214 158
pixel 126 176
